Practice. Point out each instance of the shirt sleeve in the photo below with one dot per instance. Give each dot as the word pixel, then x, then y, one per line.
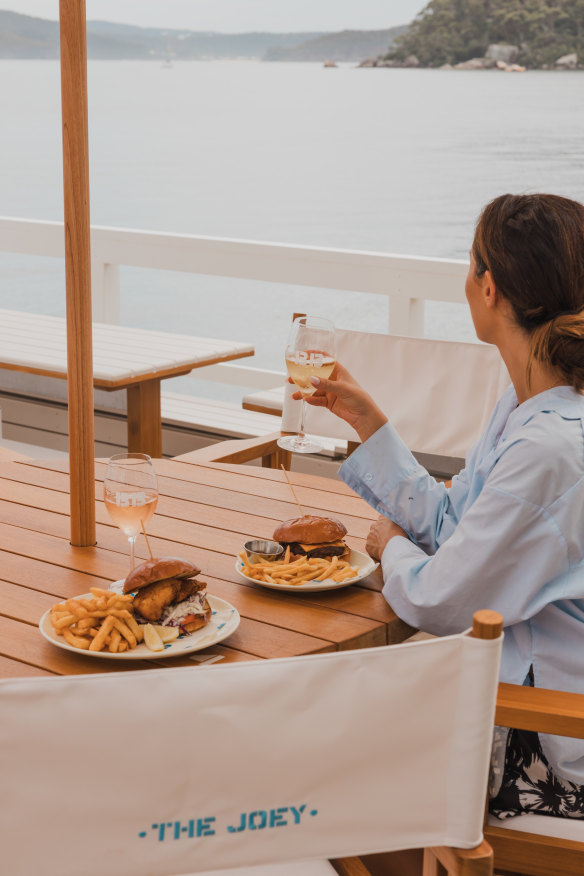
pixel 504 555
pixel 384 473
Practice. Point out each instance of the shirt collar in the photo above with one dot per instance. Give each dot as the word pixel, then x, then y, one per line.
pixel 562 400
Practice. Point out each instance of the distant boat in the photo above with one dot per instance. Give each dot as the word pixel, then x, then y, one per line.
pixel 168 55
pixel 329 64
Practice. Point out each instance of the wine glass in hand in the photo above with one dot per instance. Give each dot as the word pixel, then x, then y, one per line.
pixel 130 492
pixel 310 352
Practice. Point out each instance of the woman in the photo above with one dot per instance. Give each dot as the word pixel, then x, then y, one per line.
pixel 509 533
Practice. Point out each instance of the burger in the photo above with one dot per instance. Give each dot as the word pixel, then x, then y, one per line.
pixel 312 536
pixel 167 592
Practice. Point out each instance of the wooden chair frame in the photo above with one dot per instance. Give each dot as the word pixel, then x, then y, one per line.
pixel 545 711
pixel 241 450
pixel 518 852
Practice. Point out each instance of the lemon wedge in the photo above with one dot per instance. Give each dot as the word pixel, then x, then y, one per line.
pixel 152 639
pixel 167 634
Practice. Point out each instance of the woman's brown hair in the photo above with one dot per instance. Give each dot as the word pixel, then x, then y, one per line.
pixel 533 245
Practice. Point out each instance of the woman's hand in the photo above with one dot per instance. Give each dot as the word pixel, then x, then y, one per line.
pixel 381 532
pixel 342 395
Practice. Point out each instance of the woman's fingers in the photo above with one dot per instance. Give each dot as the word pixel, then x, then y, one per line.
pixel 381 532
pixel 338 374
pixel 337 387
pixel 339 371
pixel 317 401
pixel 298 395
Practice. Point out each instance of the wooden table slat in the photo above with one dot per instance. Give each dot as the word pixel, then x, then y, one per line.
pixel 274 509
pixel 181 510
pixel 245 480
pixel 16 669
pixel 24 642
pixel 299 479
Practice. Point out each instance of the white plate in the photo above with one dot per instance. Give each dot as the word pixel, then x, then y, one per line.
pixel 224 621
pixel 363 561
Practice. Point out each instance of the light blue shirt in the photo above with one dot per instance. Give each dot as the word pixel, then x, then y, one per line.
pixel 508 535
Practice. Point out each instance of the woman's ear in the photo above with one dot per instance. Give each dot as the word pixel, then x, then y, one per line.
pixel 491 296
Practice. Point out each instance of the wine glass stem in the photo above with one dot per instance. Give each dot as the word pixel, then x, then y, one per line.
pixel 132 540
pixel 301 435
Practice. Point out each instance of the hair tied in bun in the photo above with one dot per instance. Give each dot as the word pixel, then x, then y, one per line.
pixel 579 313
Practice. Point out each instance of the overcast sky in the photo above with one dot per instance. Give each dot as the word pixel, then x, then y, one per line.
pixel 239 15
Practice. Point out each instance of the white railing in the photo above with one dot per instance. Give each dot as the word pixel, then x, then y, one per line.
pixel 406 281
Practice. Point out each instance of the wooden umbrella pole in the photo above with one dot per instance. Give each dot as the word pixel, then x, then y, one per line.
pixel 78 269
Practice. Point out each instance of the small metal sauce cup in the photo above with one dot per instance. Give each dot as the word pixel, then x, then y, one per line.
pixel 260 549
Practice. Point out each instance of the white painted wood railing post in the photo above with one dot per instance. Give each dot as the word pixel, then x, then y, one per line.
pixel 97 300
pixel 111 293
pixel 105 284
pixel 406 316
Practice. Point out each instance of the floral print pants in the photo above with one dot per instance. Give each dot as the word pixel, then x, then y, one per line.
pixel 529 785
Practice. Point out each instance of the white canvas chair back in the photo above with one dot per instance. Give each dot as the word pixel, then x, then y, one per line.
pixel 437 394
pixel 185 770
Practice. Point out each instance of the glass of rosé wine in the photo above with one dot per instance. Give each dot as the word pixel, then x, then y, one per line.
pixel 130 492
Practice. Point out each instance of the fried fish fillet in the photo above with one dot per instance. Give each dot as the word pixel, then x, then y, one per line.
pixel 151 601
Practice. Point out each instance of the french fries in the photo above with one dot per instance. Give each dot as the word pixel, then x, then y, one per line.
pixel 297 571
pixel 104 622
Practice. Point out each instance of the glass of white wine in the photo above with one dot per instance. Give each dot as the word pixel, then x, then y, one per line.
pixel 310 352
pixel 130 492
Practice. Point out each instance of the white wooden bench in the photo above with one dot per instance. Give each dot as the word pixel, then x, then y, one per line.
pixel 35 418
pixel 12 451
pixel 266 401
pixel 218 418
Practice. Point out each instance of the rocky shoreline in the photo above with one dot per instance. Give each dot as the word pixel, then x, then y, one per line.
pixel 497 57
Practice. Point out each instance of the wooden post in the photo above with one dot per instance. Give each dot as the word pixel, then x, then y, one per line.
pixel 487 624
pixel 78 269
pixel 144 423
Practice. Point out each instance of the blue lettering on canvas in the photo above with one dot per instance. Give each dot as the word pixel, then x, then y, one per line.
pixel 257 820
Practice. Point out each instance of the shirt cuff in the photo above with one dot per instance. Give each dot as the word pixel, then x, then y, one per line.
pixel 378 465
pixel 397 549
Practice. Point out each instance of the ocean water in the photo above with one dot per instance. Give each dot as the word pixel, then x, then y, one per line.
pixel 397 161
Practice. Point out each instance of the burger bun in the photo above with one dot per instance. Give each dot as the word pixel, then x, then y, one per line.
pixel 310 530
pixel 158 569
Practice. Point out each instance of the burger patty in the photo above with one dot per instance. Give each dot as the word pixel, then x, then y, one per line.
pixel 333 550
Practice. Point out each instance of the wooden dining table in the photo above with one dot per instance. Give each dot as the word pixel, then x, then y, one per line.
pixel 205 513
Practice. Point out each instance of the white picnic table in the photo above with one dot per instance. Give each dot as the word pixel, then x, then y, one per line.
pixel 123 358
